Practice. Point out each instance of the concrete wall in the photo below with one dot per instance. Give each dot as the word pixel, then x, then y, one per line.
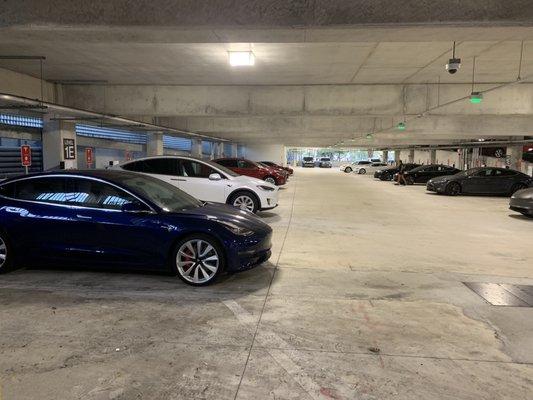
pixel 422 156
pixel 270 152
pixel 25 85
pixel 447 157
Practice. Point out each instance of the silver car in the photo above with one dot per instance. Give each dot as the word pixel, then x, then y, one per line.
pixel 522 202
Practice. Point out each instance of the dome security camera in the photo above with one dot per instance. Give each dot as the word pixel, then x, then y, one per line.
pixel 453 65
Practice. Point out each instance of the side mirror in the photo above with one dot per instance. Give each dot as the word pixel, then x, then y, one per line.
pixel 135 208
pixel 215 177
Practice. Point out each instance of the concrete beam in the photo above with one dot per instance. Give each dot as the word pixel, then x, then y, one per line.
pixel 328 100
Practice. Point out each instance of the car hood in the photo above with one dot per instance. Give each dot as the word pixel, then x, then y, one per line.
pixel 525 194
pixel 252 181
pixel 224 212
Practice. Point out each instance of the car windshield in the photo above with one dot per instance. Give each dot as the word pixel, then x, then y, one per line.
pixel 227 171
pixel 164 195
pixel 308 158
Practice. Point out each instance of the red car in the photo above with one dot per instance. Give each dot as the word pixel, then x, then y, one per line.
pixel 274 165
pixel 242 166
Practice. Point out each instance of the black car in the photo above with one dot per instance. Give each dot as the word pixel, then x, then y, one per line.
pixel 424 173
pixel 522 202
pixel 387 174
pixel 486 180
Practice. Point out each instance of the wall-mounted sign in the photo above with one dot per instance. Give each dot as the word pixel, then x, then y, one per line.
pixel 69 149
pixel 498 152
pixel 89 156
pixel 25 156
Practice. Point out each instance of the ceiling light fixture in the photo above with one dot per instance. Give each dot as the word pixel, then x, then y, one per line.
pixel 241 58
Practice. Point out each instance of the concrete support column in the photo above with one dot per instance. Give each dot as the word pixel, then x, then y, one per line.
pixel 196 148
pixel 433 156
pixel 385 157
pixel 397 156
pixel 514 157
pixel 234 150
pixel 411 157
pixel 218 150
pixel 154 146
pixel 59 144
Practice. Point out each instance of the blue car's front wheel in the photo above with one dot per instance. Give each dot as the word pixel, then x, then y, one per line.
pixel 198 260
pixel 5 253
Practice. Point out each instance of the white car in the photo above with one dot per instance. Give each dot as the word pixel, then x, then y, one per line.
pixel 351 167
pixel 372 167
pixel 208 181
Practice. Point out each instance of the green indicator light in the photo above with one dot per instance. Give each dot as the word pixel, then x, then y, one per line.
pixel 401 126
pixel 369 136
pixel 476 97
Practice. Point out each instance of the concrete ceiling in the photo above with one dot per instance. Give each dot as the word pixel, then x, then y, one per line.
pixel 326 71
pixel 276 63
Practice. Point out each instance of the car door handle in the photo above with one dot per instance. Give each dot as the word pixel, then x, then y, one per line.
pixel 83 216
pixel 178 179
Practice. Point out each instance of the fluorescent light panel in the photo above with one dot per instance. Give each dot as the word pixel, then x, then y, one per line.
pixel 241 58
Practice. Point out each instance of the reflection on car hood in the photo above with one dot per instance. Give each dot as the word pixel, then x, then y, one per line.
pixel 444 178
pixel 252 181
pixel 224 212
pixel 525 194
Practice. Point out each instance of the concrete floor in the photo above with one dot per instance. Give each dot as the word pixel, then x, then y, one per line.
pixel 363 299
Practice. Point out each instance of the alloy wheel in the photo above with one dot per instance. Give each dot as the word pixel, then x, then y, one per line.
pixel 197 261
pixel 3 252
pixel 270 180
pixel 244 203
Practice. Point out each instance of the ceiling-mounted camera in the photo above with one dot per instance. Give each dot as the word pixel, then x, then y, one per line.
pixel 454 63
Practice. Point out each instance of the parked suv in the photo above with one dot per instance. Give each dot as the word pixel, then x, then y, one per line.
pixel 325 162
pixel 246 167
pixel 308 162
pixel 208 181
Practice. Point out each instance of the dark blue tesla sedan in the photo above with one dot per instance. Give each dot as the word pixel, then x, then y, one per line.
pixel 117 218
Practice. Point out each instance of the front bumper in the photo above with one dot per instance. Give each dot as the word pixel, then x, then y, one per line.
pixel 254 251
pixel 524 206
pixel 437 188
pixel 308 165
pixel 268 199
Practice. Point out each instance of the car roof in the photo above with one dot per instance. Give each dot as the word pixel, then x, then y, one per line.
pixel 105 174
pixel 159 157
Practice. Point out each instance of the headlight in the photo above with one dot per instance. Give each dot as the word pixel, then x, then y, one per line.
pixel 237 230
pixel 267 188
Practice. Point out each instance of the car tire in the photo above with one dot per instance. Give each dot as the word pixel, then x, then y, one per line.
pixel 453 189
pixel 244 200
pixel 348 170
pixel 6 253
pixel 362 171
pixel 516 187
pixel 198 260
pixel 270 179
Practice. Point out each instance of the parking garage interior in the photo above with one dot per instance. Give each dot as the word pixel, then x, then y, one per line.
pixel 373 289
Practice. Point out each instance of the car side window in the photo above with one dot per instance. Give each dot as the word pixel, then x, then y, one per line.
pixel 162 166
pixel 245 164
pixel 7 190
pixel 96 194
pixel 194 169
pixel 505 172
pixel 485 173
pixel 136 166
pixel 48 190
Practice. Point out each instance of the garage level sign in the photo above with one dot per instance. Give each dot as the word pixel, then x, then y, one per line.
pixel 69 149
pixel 25 156
pixel 89 156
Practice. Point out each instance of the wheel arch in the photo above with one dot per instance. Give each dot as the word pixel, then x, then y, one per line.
pixel 243 190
